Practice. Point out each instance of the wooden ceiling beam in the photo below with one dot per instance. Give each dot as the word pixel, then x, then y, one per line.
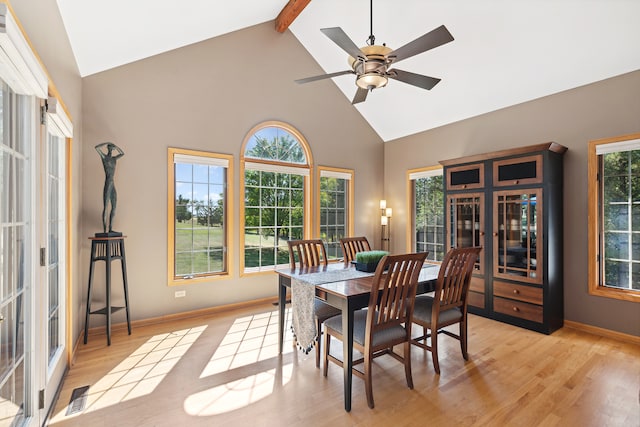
pixel 289 13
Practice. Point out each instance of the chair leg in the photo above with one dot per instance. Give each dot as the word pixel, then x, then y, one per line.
pixel 367 378
pixel 407 364
pixel 463 339
pixel 319 326
pixel 434 350
pixel 327 344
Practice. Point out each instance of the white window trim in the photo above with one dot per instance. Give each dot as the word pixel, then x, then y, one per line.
pixel 324 173
pixel 19 66
pixel 200 160
pixel 618 147
pixel 60 124
pixel 269 167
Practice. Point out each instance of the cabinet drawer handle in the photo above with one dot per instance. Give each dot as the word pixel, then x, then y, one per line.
pixel 516 309
pixel 495 234
pixel 482 233
pixel 515 291
pixel 464 186
pixel 516 182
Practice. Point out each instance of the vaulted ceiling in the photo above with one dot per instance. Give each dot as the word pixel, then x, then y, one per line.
pixel 505 52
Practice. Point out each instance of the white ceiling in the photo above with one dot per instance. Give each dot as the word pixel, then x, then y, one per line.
pixel 505 52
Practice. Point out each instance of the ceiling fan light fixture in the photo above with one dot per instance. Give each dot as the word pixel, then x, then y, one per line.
pixel 371 81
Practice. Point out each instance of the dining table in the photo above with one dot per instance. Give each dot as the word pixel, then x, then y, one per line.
pixel 338 285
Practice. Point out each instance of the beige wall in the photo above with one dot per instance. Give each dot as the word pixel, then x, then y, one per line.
pixel 571 118
pixel 42 22
pixel 207 96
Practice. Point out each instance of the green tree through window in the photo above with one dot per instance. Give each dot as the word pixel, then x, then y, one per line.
pixel 429 216
pixel 274 196
pixel 621 219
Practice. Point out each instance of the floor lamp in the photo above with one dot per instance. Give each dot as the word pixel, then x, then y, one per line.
pixel 385 223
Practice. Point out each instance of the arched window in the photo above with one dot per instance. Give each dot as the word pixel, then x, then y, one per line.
pixel 276 165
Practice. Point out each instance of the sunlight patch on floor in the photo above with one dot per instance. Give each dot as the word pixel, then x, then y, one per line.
pixel 250 339
pixel 140 373
pixel 236 394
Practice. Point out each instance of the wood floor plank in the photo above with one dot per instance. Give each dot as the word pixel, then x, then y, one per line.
pixel 223 369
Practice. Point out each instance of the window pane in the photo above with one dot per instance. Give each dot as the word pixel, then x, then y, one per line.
pixel 620 225
pixel 333 195
pixel 429 216
pixel 200 233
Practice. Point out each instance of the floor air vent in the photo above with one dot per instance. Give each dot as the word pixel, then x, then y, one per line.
pixel 78 400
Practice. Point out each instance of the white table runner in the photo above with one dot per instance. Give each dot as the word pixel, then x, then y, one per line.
pixel 302 300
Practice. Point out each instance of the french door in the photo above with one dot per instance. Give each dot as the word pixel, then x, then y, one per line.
pixel 33 274
pixel 52 360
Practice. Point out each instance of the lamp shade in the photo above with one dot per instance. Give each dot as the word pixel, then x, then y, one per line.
pixel 384 220
pixel 388 212
pixel 371 81
pixel 383 204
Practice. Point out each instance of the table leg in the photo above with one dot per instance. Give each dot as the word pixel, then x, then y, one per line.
pixel 282 296
pixel 347 353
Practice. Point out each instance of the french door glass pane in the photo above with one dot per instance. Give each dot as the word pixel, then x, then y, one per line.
pixel 56 244
pixel 17 126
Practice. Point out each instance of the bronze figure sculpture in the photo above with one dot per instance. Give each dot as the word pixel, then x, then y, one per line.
pixel 109 195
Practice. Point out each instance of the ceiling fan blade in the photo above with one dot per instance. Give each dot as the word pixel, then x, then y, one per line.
pixel 324 76
pixel 425 82
pixel 341 38
pixel 361 95
pixel 432 39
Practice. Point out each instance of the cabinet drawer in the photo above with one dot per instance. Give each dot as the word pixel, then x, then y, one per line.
pixel 476 299
pixel 477 284
pixel 518 309
pixel 465 177
pixel 518 171
pixel 529 294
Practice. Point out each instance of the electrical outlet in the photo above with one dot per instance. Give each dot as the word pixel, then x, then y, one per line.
pixel 180 294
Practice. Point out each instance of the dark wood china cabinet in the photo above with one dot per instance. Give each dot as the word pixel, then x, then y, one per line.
pixel 510 203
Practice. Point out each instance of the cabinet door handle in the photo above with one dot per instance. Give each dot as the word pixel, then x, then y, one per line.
pixel 495 234
pixel 482 233
pixel 464 186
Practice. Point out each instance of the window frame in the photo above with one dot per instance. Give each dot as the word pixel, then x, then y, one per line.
pixel 306 171
pixel 412 175
pixel 349 204
pixel 594 229
pixel 172 279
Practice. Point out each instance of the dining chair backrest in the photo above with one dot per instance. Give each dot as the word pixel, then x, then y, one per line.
pixel 393 291
pixel 454 278
pixel 310 253
pixel 352 245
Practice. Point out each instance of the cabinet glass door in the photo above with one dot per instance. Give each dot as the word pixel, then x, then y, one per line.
pixel 517 224
pixel 466 223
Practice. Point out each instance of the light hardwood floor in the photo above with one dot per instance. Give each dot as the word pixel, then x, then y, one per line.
pixel 224 370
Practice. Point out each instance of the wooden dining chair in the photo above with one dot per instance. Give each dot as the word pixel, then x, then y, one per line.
pixel 312 253
pixel 387 320
pixel 448 305
pixel 352 245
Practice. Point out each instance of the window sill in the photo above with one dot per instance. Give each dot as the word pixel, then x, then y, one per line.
pixel 621 294
pixel 199 279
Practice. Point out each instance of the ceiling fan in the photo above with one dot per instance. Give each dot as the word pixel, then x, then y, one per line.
pixel 371 64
